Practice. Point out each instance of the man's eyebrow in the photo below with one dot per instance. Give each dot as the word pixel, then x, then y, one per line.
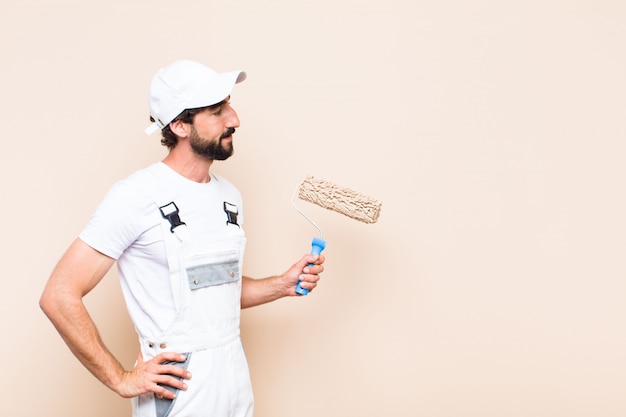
pixel 221 103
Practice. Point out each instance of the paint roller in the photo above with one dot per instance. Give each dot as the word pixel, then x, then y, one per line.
pixel 342 200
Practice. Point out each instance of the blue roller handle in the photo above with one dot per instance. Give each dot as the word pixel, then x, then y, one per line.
pixel 317 246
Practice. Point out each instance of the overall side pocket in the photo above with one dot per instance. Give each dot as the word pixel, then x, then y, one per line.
pixel 164 406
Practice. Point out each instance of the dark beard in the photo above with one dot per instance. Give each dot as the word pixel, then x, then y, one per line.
pixel 212 150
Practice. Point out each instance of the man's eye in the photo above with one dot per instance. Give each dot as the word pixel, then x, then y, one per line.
pixel 218 110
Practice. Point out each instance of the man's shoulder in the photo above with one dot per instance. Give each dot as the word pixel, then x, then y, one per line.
pixel 141 179
pixel 222 180
pixel 225 185
pixel 136 189
pixel 150 173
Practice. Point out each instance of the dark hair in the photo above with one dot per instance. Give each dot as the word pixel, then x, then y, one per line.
pixel 169 139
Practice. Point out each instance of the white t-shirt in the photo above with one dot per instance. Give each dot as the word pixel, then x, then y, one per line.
pixel 127 227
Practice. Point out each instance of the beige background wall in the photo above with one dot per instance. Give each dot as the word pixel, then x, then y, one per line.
pixel 493 131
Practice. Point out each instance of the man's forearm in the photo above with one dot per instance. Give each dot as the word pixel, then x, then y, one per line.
pixel 79 332
pixel 255 292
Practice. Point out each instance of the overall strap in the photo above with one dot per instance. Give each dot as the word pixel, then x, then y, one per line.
pixel 170 212
pixel 173 229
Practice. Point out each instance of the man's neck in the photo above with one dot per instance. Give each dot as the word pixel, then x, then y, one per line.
pixel 189 165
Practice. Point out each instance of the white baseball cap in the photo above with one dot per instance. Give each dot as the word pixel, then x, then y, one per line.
pixel 187 85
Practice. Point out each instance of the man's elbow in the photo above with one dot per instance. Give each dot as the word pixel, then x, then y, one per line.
pixel 49 302
pixel 45 303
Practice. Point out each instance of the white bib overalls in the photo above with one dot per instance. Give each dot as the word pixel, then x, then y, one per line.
pixel 205 277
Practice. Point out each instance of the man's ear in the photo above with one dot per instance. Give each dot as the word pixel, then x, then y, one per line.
pixel 180 128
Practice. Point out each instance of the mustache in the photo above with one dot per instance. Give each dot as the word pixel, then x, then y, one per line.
pixel 229 132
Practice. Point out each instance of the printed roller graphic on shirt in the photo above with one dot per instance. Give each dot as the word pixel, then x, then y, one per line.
pixel 335 198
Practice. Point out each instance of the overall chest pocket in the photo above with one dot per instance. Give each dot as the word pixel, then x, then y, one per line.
pixel 210 269
pixel 208 275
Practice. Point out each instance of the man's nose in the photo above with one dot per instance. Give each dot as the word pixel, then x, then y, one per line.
pixel 232 118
